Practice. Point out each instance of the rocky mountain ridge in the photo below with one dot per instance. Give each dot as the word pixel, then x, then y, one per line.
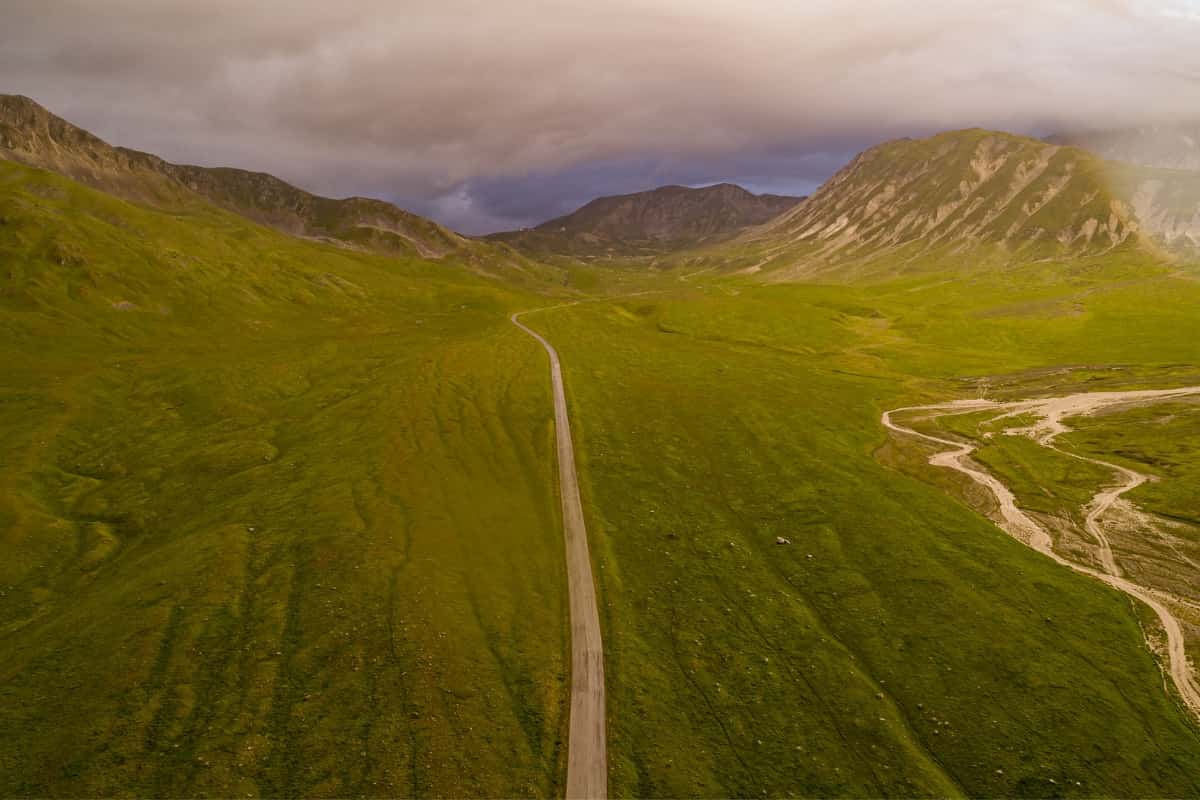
pixel 31 135
pixel 959 192
pixel 651 222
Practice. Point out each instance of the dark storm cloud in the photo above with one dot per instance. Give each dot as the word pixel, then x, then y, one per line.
pixel 454 107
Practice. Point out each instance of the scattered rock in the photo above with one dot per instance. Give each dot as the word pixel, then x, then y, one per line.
pixel 781 540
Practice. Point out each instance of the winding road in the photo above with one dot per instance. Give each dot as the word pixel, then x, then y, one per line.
pixel 587 748
pixel 1049 414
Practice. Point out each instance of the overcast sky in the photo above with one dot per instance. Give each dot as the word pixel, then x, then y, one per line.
pixel 497 114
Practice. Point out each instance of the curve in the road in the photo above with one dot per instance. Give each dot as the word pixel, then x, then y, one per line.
pixel 587 753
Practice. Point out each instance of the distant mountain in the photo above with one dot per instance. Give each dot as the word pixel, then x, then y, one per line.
pixel 970 195
pixel 646 223
pixel 1164 146
pixel 31 135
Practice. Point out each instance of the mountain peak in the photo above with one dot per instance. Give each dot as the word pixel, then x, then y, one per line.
pixel 960 192
pixel 20 101
pixel 32 135
pixel 28 128
pixel 650 222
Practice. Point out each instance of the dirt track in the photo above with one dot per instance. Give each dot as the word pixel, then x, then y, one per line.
pixel 587 755
pixel 1050 412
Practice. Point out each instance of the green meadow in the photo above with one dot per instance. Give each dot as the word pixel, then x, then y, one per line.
pixel 900 644
pixel 1159 440
pixel 281 518
pixel 278 518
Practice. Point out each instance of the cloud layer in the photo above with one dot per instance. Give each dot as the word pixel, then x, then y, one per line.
pixel 500 113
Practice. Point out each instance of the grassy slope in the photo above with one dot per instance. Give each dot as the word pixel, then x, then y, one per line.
pixel 919 650
pixel 276 518
pixel 300 502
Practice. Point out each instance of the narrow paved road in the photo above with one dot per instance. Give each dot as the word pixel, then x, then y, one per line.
pixel 587 748
pixel 1049 414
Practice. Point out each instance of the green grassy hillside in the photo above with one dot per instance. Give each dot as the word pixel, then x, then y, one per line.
pixel 276 518
pixel 31 135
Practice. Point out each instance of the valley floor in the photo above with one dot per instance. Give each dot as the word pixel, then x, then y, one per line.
pixel 303 536
pixel 1049 415
pixel 716 421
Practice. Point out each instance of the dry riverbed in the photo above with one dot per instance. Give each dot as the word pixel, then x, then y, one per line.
pixel 1106 508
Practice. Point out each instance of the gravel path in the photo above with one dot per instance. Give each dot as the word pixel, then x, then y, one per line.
pixel 587 749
